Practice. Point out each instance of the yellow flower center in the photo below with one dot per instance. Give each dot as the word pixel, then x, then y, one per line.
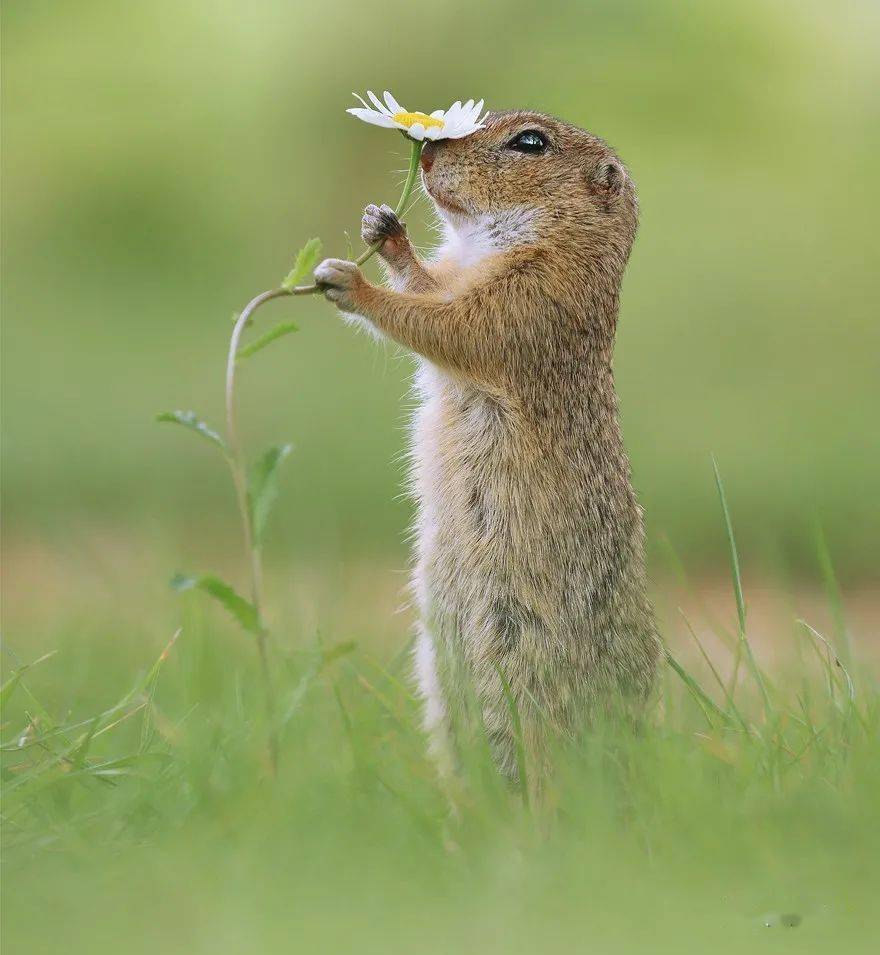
pixel 410 119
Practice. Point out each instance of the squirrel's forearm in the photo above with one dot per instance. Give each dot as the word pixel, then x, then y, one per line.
pixel 476 332
pixel 405 269
pixel 479 331
pixel 439 331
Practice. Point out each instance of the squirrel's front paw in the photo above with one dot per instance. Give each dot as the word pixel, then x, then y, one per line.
pixel 339 280
pixel 380 226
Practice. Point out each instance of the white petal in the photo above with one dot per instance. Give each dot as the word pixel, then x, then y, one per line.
pixel 461 119
pixel 366 104
pixel 371 116
pixel 462 128
pixel 380 106
pixel 450 121
pixel 393 105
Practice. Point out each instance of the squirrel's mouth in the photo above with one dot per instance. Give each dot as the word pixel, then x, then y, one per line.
pixel 446 202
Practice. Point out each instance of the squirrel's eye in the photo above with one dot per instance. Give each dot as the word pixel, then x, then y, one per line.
pixel 530 141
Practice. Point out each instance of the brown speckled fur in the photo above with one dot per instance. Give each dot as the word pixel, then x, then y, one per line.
pixel 529 536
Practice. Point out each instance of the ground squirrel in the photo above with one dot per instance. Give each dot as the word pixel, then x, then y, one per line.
pixel 530 541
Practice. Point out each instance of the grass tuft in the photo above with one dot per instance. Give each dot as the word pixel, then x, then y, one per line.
pixel 739 813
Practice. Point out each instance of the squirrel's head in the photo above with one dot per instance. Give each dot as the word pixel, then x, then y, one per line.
pixel 529 163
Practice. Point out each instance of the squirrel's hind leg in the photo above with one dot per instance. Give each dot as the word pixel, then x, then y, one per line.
pixel 435 718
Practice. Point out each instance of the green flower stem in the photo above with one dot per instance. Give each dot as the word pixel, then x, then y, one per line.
pixel 238 464
pixel 238 467
pixel 415 155
pixel 236 456
pixel 367 254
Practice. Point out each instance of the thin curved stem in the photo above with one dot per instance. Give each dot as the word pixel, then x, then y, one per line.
pixel 238 467
pixel 367 254
pixel 414 157
pixel 236 457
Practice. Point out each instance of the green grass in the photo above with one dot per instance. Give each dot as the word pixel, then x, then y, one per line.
pixel 150 819
pixel 163 161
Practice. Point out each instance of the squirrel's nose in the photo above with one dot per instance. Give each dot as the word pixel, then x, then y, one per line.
pixel 429 150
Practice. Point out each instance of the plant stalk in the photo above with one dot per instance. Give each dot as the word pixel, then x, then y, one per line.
pixel 239 478
pixel 238 467
pixel 367 254
pixel 414 157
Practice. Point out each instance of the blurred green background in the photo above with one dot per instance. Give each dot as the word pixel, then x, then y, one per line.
pixel 163 161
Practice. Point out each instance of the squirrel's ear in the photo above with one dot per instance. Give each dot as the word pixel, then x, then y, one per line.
pixel 608 178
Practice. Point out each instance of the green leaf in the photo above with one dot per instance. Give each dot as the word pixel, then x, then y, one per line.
pixel 243 610
pixel 263 488
pixel 189 419
pixel 258 344
pixel 306 260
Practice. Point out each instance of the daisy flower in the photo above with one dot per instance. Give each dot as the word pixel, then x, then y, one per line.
pixel 453 123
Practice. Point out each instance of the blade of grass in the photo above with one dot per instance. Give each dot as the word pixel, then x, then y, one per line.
pixel 78 758
pixel 712 619
pixel 731 703
pixel 8 688
pixel 321 660
pixel 832 590
pixel 399 685
pixel 744 644
pixel 832 654
pixel 150 688
pixel 398 717
pixel 706 704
